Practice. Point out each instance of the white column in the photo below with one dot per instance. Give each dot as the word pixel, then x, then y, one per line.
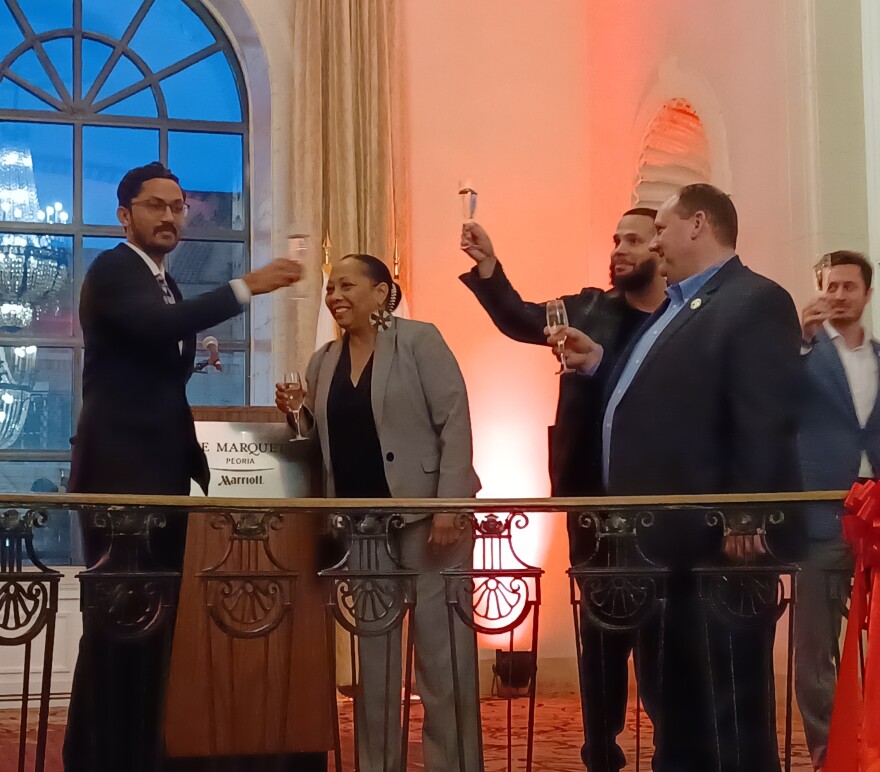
pixel 871 80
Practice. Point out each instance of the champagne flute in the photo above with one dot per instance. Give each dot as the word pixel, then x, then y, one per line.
pixel 293 388
pixel 819 272
pixel 557 320
pixel 298 252
pixel 468 197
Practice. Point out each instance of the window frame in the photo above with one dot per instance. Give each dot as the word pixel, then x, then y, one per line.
pixel 77 112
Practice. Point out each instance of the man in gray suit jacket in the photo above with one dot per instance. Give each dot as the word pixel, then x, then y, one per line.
pixel 838 443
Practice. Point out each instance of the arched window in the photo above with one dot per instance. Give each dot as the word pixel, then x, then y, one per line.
pixel 89 89
pixel 675 152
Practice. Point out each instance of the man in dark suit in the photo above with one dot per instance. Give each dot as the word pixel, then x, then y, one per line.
pixel 612 318
pixel 704 401
pixel 838 443
pixel 136 435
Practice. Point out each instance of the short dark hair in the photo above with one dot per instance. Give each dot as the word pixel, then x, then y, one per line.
pixel 130 185
pixel 847 257
pixel 378 273
pixel 643 211
pixel 719 209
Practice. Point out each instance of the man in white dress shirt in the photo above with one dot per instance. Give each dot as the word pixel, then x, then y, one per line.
pixel 838 443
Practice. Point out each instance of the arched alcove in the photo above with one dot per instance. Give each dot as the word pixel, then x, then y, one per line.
pixel 675 152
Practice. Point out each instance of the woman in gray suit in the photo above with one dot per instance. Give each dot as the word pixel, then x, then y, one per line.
pixel 390 409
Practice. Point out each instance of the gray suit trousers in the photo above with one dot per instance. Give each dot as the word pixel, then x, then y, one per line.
pixel 378 703
pixel 823 586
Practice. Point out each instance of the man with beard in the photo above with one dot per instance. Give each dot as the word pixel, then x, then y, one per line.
pixel 612 318
pixel 136 435
pixel 705 401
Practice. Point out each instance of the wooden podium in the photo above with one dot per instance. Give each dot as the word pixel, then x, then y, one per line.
pixel 251 671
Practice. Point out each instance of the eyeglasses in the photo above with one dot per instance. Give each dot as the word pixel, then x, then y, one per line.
pixel 157 207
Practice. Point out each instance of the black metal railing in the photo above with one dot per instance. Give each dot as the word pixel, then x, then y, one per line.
pixel 730 554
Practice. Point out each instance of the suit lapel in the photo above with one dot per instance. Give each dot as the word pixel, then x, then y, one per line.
pixel 383 357
pixel 874 418
pixel 679 321
pixel 325 378
pixel 624 357
pixel 188 353
pixel 827 351
pixel 149 276
pixel 172 285
pixel 692 309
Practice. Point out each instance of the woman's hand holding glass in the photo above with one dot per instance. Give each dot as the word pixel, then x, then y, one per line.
pixel 290 395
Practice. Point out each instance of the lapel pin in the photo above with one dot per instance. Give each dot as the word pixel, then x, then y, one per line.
pixel 695 304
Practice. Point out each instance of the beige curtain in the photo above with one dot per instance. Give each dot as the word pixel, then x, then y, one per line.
pixel 348 178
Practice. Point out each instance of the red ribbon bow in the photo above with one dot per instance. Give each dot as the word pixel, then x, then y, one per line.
pixel 854 741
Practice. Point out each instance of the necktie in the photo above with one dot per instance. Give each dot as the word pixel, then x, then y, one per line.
pixel 168 296
pixel 166 290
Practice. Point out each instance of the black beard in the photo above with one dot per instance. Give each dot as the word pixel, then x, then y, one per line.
pixel 637 279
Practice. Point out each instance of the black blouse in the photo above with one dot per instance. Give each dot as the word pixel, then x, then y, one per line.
pixel 355 452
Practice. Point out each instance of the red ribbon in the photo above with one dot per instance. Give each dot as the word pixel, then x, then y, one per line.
pixel 854 741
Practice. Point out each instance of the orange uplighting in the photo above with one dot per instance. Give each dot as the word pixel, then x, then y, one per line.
pixel 481 111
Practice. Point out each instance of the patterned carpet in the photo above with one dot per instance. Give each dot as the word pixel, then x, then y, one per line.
pixel 558 738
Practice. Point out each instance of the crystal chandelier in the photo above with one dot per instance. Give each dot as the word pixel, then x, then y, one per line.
pixel 32 271
pixel 17 372
pixel 32 268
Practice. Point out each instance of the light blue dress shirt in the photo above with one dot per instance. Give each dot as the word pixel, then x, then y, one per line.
pixel 679 296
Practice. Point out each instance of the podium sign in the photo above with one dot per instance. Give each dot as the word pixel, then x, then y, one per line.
pixel 255 460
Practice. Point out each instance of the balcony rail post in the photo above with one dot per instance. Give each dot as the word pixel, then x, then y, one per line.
pixel 28 607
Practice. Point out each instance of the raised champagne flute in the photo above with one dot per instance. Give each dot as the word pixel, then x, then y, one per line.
pixel 298 248
pixel 819 270
pixel 468 197
pixel 557 320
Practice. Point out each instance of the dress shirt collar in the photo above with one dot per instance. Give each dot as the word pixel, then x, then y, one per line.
pixel 158 270
pixel 832 332
pixel 687 288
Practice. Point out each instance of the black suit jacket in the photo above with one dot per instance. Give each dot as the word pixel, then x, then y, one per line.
pixel 136 433
pixel 575 453
pixel 713 408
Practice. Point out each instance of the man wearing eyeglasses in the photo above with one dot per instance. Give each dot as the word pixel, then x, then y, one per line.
pixel 136 435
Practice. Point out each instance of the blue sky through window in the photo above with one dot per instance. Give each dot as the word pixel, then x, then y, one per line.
pixel 46 15
pixel 109 18
pixel 108 153
pixel 61 54
pixel 29 67
pixel 170 32
pixel 79 141
pixel 10 34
